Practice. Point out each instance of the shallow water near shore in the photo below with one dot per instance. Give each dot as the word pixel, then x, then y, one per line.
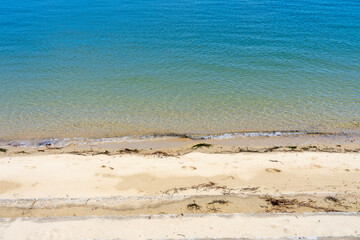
pixel 99 70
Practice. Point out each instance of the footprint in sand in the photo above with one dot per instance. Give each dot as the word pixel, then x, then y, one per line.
pixel 6 186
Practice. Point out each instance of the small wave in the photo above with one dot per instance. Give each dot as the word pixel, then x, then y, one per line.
pixel 247 134
pixel 63 142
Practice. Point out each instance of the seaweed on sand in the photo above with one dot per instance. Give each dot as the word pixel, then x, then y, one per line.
pixel 193 206
pixel 106 152
pixel 201 187
pixel 333 199
pixel 127 150
pixel 282 204
pixel 160 153
pixel 4 150
pixel 199 145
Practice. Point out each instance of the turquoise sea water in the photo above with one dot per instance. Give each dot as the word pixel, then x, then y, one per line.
pixel 116 68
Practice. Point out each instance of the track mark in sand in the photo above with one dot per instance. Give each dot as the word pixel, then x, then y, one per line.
pixel 272 160
pixel 108 175
pixel 273 170
pixel 316 166
pixel 190 167
pixel 103 166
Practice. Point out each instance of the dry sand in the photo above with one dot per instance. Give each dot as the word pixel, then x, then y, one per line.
pixel 160 194
pixel 75 176
pixel 219 226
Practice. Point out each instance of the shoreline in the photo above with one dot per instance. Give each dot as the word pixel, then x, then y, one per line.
pixel 180 144
pixel 66 141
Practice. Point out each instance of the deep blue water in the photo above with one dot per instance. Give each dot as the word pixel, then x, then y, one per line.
pixel 116 68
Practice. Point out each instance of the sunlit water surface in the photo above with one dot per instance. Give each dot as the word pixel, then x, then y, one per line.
pixel 116 68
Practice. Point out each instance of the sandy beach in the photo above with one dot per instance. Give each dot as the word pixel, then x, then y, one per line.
pixel 46 188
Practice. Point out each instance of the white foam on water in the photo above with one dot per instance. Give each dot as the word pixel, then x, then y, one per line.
pixel 63 142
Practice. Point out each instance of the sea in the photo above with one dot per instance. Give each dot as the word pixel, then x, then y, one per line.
pixel 122 69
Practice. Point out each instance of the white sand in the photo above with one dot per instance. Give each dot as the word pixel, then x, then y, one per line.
pixel 145 178
pixel 184 227
pixel 68 175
